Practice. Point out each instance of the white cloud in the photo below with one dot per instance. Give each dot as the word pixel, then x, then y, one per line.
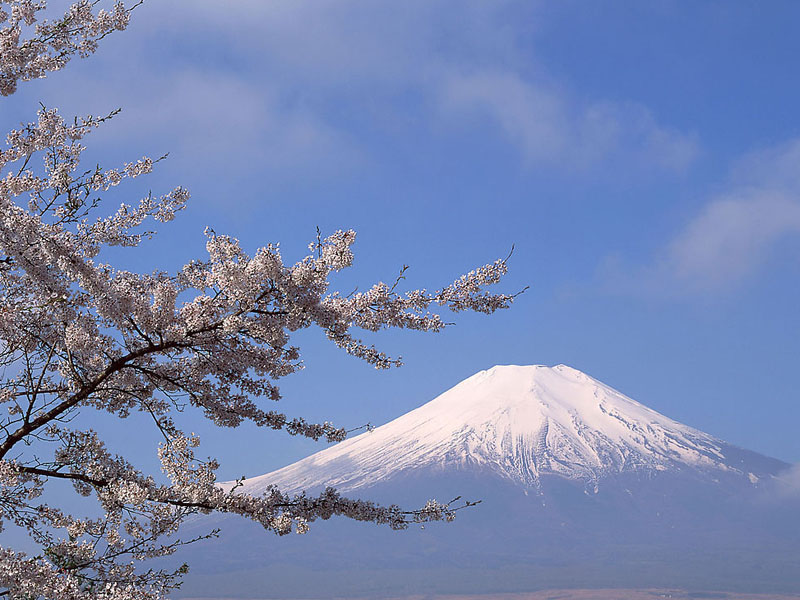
pixel 208 120
pixel 226 117
pixel 311 90
pixel 776 167
pixel 460 59
pixel 534 119
pixel 786 484
pixel 550 129
pixel 732 236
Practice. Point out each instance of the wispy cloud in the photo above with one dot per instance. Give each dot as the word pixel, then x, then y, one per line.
pixel 785 485
pixel 319 81
pixel 732 236
pixel 209 120
pixel 549 128
pixel 226 117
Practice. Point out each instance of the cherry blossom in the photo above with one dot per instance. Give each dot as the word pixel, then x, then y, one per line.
pixel 31 47
pixel 78 334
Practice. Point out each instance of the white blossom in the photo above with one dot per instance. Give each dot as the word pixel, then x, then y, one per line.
pixel 215 336
pixel 31 47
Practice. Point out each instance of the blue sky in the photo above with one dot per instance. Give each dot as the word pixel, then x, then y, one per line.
pixel 642 158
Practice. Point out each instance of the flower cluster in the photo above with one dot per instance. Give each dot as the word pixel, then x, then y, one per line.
pixel 30 48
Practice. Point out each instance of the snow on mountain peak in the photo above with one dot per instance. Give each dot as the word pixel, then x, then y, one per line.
pixel 519 422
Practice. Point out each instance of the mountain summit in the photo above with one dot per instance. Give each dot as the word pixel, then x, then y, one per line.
pixel 521 423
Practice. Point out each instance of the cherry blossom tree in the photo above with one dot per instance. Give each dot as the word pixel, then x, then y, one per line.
pixel 78 334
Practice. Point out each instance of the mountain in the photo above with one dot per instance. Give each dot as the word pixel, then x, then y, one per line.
pixel 580 486
pixel 522 423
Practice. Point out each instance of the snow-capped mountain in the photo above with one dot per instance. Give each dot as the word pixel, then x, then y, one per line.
pixel 580 486
pixel 521 423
